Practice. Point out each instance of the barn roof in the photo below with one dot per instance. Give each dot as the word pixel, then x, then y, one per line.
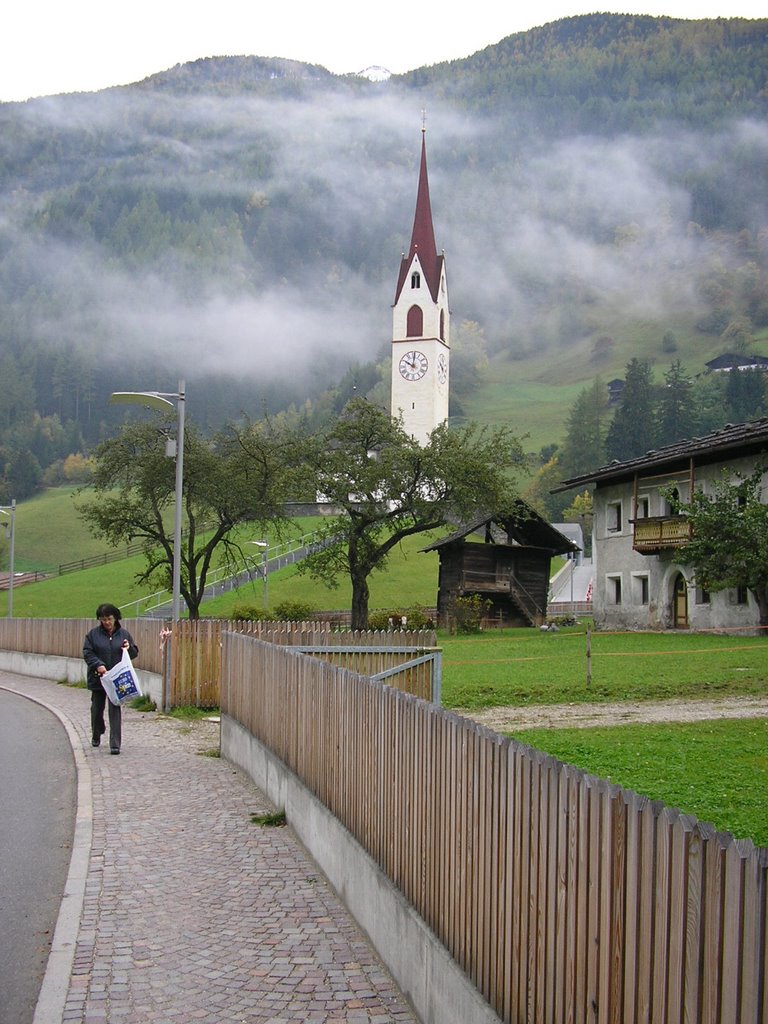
pixel 523 527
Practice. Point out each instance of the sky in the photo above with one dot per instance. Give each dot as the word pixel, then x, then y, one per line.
pixel 49 46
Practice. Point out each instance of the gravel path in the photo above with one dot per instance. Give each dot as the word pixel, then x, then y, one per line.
pixel 583 716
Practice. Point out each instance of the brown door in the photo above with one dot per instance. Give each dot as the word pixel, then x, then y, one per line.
pixel 681 602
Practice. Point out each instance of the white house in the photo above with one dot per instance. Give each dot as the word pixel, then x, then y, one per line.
pixel 637 582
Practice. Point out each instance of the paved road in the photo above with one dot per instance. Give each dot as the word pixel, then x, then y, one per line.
pixel 37 812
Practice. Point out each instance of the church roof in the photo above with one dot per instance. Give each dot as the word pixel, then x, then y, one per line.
pixel 423 236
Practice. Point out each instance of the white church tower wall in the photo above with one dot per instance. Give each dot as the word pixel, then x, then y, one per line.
pixel 421 326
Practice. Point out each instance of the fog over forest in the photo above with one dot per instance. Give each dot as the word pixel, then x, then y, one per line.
pixel 258 237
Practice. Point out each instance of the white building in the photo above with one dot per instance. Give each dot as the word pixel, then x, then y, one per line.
pixel 637 582
pixel 421 326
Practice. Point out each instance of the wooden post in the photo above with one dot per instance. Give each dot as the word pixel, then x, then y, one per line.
pixel 589 654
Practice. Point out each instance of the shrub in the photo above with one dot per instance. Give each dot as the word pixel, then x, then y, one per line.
pixel 248 613
pixel 293 611
pixel 392 618
pixel 467 613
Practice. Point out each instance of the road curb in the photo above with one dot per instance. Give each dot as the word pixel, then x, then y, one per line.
pixel 55 987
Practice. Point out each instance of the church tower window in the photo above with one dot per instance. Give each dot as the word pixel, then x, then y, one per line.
pixel 415 279
pixel 415 325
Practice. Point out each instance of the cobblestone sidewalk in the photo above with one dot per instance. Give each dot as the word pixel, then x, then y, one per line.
pixel 192 913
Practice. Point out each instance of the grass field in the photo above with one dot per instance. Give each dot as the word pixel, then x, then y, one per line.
pixel 524 666
pixel 715 770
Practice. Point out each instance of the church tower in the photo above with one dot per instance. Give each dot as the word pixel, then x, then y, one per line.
pixel 420 325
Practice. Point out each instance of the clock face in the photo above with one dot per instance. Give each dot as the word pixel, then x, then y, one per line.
pixel 413 365
pixel 442 368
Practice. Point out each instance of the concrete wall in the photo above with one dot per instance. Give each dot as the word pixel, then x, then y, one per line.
pixel 52 666
pixel 438 989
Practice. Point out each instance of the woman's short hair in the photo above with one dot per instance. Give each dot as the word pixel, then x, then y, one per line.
pixel 108 609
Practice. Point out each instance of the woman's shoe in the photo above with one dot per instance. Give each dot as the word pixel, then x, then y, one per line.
pixel 114 750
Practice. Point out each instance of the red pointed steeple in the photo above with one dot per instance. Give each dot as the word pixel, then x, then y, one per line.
pixel 423 234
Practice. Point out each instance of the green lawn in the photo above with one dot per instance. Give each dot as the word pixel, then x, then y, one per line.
pixel 525 666
pixel 715 770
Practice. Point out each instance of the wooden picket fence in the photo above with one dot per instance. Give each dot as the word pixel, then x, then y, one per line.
pixel 565 899
pixel 65 637
pixel 194 668
pixel 188 653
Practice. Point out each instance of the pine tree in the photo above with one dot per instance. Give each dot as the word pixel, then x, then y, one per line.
pixel 584 445
pixel 745 395
pixel 632 432
pixel 676 414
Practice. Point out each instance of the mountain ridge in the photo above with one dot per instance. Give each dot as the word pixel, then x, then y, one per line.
pixel 598 183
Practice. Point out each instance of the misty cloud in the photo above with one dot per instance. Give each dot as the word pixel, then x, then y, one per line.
pixel 607 216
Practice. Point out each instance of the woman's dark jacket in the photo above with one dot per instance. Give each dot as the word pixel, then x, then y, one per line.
pixel 99 648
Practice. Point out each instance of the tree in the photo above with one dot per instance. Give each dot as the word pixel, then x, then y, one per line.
pixel 233 477
pixel 632 431
pixel 676 415
pixel 745 394
pixel 729 545
pixel 386 487
pixel 584 445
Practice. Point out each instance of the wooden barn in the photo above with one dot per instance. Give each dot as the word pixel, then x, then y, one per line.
pixel 504 560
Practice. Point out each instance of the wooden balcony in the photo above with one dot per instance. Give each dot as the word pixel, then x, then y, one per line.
pixel 660 533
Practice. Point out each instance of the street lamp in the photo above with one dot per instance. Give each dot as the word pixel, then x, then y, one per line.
pixel 264 545
pixel 10 532
pixel 162 401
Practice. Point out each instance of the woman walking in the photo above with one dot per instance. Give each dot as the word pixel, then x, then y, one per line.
pixel 102 650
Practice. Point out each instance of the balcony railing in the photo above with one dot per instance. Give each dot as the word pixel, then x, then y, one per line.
pixel 660 533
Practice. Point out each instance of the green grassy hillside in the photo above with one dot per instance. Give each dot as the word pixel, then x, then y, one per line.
pixel 49 532
pixel 534 393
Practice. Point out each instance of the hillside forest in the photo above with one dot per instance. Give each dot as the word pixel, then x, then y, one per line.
pixel 238 221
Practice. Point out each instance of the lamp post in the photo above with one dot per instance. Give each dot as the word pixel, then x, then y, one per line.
pixel 264 545
pixel 10 511
pixel 163 401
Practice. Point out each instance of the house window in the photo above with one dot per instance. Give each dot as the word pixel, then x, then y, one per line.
pixel 642 508
pixel 641 588
pixel 742 596
pixel 415 279
pixel 674 497
pixel 613 589
pixel 702 596
pixel 613 516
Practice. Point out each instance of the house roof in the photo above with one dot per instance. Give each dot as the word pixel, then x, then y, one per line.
pixel 423 236
pixel 728 360
pixel 524 527
pixel 731 441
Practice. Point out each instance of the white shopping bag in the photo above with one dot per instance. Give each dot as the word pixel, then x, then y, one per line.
pixel 121 682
